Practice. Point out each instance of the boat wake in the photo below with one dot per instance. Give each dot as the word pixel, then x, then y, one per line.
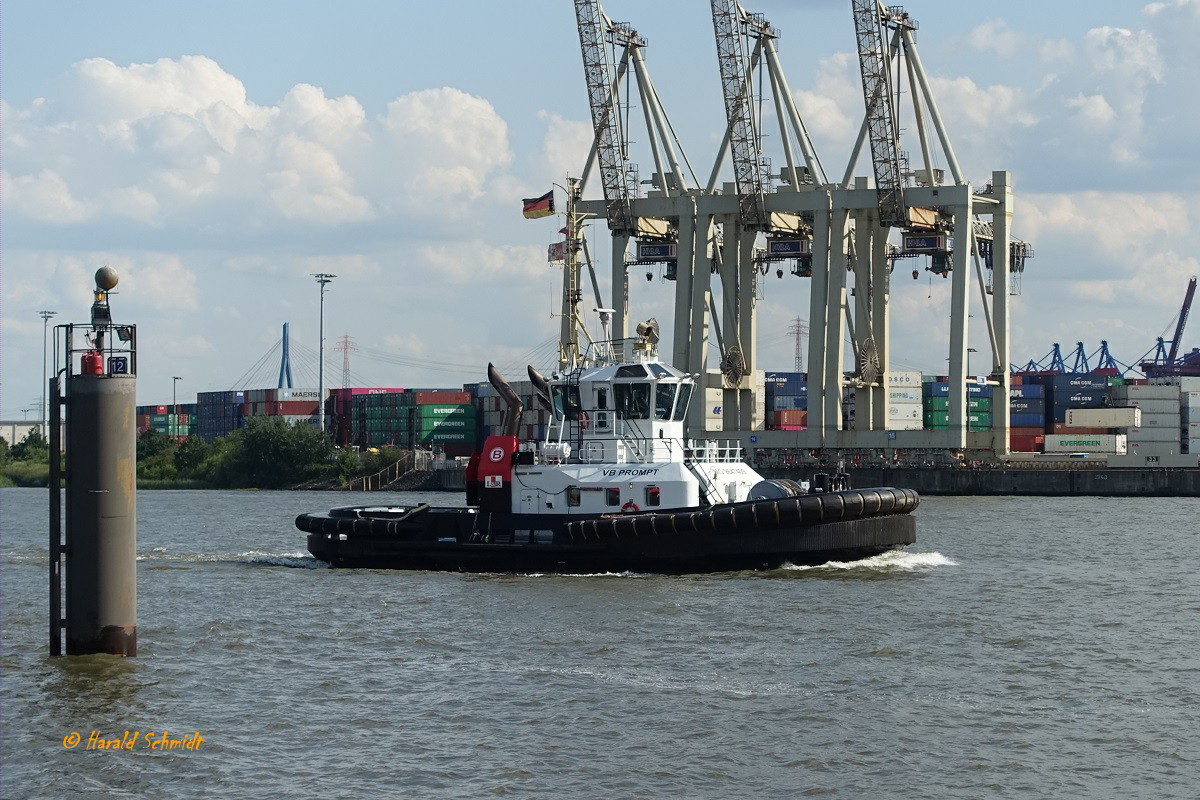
pixel 258 558
pixel 892 561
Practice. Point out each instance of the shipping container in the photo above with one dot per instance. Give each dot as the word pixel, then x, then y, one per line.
pixel 904 379
pixel 447 397
pixel 905 424
pixel 1161 421
pixel 1078 430
pixel 942 389
pixel 1132 392
pixel 904 411
pixel 1027 405
pixel 794 418
pixel 942 419
pixel 1093 443
pixel 1069 383
pixel 1104 417
pixel 904 395
pixel 788 402
pixel 1026 443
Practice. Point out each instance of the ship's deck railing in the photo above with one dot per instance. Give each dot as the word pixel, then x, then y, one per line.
pixel 714 450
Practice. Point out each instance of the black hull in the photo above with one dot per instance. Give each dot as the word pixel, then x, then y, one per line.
pixel 764 534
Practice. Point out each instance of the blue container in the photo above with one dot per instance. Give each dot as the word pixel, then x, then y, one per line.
pixel 940 389
pixel 1075 383
pixel 789 402
pixel 1028 390
pixel 1084 398
pixel 1027 405
pixel 1026 420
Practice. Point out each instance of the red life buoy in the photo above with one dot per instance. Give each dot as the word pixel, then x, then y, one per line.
pixel 584 420
pixel 630 508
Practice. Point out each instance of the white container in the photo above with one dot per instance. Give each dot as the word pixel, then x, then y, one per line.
pixel 1087 443
pixel 1190 430
pixel 1134 391
pixel 901 380
pixel 1104 417
pixel 1154 448
pixel 290 395
pixel 1161 421
pixel 905 424
pixel 1153 434
pixel 904 411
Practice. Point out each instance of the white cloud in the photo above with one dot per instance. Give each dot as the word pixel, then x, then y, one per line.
pixel 477 262
pixel 996 35
pixel 45 197
pixel 1092 110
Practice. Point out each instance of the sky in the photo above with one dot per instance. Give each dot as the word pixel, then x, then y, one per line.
pixel 218 154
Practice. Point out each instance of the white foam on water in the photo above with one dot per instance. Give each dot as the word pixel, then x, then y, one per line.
pixel 891 561
pixel 257 557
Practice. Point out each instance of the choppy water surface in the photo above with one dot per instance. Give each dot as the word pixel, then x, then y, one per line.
pixel 1024 647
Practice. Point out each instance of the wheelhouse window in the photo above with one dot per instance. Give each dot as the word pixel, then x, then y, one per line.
pixel 664 399
pixel 685 394
pixel 632 400
pixel 612 497
pixel 573 495
pixel 566 401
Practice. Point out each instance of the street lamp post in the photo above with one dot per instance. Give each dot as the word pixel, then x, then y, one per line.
pixel 175 379
pixel 45 315
pixel 322 278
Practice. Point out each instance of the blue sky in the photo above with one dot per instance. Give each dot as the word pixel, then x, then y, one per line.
pixel 217 154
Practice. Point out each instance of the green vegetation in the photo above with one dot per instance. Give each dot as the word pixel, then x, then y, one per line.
pixel 266 454
pixel 26 463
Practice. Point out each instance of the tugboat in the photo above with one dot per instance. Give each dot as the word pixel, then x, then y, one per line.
pixel 615 487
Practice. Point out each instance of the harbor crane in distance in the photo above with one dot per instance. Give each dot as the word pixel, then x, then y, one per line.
pixel 655 221
pixel 1164 361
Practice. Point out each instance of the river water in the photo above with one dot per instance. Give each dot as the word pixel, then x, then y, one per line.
pixel 1024 647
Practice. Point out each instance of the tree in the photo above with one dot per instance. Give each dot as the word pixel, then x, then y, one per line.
pixel 3 451
pixel 272 454
pixel 190 455
pixel 33 447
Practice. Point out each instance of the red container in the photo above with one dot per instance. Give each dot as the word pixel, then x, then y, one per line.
pixel 788 428
pixel 1025 431
pixel 790 419
pixel 162 409
pixel 440 398
pixel 1026 444
pixel 295 408
pixel 1064 428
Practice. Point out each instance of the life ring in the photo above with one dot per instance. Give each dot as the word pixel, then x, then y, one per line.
pixel 630 508
pixel 584 420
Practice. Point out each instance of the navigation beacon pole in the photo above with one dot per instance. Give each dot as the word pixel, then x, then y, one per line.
pixel 100 548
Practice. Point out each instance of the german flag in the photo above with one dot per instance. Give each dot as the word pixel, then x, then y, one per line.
pixel 539 206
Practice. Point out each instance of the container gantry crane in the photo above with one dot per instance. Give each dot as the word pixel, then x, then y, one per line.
pixel 663 222
pixel 1166 362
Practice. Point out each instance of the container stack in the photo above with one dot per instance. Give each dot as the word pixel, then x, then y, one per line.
pixel 1026 415
pixel 294 406
pixel 1071 391
pixel 935 399
pixel 382 419
pixel 219 414
pixel 165 420
pixel 1161 417
pixel 786 395
pixel 444 420
pixel 905 411
pixel 1189 418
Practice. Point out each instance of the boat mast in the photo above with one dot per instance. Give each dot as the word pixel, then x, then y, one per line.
pixel 568 340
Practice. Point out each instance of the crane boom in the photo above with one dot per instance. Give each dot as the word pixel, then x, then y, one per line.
pixel 596 30
pixel 728 21
pixel 871 21
pixel 1183 315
